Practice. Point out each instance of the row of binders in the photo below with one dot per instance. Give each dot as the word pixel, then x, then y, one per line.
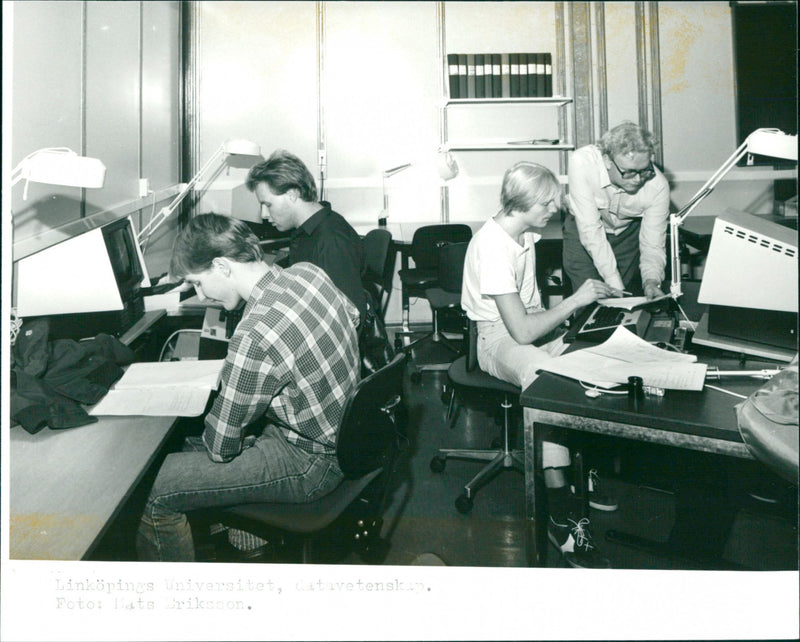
pixel 504 75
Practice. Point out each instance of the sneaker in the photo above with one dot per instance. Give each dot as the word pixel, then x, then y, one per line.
pixel 574 541
pixel 598 500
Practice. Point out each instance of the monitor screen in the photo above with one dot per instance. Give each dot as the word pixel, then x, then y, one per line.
pixel 122 254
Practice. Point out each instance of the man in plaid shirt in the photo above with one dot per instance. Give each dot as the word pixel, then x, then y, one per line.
pixel 292 364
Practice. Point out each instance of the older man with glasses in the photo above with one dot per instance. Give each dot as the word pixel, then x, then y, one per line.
pixel 618 201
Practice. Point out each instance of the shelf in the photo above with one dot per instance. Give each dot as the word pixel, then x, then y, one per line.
pixel 549 100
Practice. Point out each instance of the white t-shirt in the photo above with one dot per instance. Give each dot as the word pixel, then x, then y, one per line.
pixel 497 264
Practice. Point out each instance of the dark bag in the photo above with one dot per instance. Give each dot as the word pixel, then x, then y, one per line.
pixel 373 342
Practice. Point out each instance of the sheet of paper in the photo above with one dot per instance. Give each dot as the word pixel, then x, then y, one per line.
pixel 626 346
pixel 154 402
pixel 583 366
pixel 671 376
pixel 202 374
pixel 622 355
pixel 629 302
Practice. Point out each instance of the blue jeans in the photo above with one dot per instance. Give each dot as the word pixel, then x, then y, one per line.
pixel 272 470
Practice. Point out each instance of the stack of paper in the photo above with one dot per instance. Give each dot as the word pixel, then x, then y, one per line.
pixel 625 355
pixel 164 388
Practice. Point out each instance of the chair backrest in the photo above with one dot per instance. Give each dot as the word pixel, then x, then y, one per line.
pixel 376 252
pixel 451 265
pixel 428 238
pixel 378 267
pixel 373 421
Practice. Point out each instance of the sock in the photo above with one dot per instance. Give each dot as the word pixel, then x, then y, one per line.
pixel 559 503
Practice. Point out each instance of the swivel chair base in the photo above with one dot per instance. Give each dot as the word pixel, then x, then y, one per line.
pixel 501 458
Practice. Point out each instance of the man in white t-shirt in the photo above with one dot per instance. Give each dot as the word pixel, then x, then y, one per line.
pixel 515 332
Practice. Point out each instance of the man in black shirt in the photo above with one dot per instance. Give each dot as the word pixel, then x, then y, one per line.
pixel 286 190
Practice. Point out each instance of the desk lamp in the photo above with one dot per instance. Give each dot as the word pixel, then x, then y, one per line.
pixel 59 166
pixel 231 147
pixel 446 167
pixel 388 173
pixel 766 142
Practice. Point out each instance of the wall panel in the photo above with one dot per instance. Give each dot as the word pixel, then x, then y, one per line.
pixel 112 98
pixel 46 104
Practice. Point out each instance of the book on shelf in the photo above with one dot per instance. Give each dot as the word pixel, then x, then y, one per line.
pixel 531 69
pixel 513 61
pixel 462 75
pixel 470 76
pixel 480 86
pixel 548 74
pixel 505 75
pixel 488 90
pixel 523 74
pixel 497 76
pixel 541 74
pixel 452 75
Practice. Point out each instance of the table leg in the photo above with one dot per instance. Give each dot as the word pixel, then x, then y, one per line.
pixel 534 504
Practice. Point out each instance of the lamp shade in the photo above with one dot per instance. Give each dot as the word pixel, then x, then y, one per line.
pixel 60 166
pixel 772 142
pixel 241 147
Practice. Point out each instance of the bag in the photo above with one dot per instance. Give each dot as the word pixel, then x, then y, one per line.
pixel 373 342
pixel 768 423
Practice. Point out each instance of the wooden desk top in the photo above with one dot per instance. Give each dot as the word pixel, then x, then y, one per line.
pixel 66 486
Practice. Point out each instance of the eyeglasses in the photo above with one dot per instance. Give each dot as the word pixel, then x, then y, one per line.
pixel 645 174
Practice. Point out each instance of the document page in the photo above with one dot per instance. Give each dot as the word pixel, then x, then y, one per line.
pixel 164 388
pixel 627 346
pixel 155 402
pixel 623 355
pixel 203 374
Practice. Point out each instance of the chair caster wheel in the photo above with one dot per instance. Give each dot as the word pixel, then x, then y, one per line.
pixel 416 376
pixel 463 504
pixel 438 463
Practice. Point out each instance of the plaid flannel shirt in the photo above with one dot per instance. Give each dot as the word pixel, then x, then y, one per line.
pixel 294 354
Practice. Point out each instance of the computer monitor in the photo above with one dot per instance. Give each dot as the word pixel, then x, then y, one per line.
pixel 88 283
pixel 750 285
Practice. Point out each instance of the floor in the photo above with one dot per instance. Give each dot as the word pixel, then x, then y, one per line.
pixel 422 525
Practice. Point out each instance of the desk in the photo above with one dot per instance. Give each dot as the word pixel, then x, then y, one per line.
pixel 66 486
pixel 704 421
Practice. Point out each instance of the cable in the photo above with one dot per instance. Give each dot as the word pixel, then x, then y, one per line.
pixel 16 324
pixel 692 324
pixel 152 214
pixel 727 392
pixel 170 337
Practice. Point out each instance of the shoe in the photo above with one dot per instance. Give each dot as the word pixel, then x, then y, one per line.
pixel 574 541
pixel 597 500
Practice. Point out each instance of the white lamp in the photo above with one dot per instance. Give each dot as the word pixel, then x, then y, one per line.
pixel 446 167
pixel 233 146
pixel 765 142
pixel 59 166
pixel 388 173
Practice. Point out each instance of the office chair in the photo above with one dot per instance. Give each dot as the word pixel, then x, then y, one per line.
pixel 378 272
pixel 446 296
pixel 466 377
pixel 369 441
pixel 424 253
